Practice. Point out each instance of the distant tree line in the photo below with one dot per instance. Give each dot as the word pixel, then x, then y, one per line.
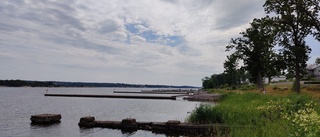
pixel 21 83
pixel 272 45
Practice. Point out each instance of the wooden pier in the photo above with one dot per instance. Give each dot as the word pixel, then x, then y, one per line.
pixel 126 92
pixel 112 96
pixel 169 90
pixel 169 127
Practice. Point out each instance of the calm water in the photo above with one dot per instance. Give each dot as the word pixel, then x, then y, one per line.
pixel 18 104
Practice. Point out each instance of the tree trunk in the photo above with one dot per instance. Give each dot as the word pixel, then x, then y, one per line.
pixel 297 80
pixel 259 81
pixel 269 80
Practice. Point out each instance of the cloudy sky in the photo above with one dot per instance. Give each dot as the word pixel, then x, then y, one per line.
pixel 173 42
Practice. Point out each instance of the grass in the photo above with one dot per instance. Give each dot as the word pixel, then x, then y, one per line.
pixel 277 90
pixel 255 114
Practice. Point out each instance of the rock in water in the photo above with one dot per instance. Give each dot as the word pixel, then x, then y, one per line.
pixel 87 119
pixel 45 118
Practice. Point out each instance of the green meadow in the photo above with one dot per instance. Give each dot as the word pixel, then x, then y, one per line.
pixel 250 114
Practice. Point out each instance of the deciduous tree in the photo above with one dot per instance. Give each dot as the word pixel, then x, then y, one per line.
pixel 231 72
pixel 295 19
pixel 255 48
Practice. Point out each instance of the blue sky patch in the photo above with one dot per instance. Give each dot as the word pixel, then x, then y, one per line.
pixel 153 37
pixel 131 28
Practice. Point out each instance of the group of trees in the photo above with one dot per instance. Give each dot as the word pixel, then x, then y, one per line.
pixel 237 77
pixel 28 83
pixel 289 23
pixel 21 83
pixel 215 81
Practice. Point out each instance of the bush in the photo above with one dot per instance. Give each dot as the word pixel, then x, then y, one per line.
pixel 204 114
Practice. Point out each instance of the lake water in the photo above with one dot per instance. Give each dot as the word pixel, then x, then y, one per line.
pixel 18 104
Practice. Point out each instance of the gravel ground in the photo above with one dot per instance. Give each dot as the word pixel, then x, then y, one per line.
pixel 203 96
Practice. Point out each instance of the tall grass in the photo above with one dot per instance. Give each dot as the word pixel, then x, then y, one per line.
pixel 253 114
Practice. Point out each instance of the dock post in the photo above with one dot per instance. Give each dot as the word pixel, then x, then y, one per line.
pixel 88 121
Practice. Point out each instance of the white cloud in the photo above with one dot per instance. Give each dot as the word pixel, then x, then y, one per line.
pixel 137 39
pixel 89 40
pixel 141 28
pixel 109 26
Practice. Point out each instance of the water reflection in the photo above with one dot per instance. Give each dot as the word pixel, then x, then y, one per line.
pixel 45 125
pixel 86 131
pixel 128 132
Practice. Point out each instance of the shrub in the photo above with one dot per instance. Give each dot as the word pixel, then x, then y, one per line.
pixel 204 114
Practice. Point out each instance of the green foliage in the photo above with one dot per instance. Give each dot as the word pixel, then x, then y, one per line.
pixel 253 114
pixel 300 112
pixel 255 49
pixel 318 61
pixel 215 81
pixel 216 91
pixel 207 83
pixel 231 72
pixel 295 20
pixel 204 114
pixel 246 87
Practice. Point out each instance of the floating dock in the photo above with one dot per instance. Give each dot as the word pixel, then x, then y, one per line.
pixel 171 126
pixel 45 118
pixel 126 92
pixel 169 90
pixel 112 96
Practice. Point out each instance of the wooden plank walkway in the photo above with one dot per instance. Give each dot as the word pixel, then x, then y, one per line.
pixel 150 92
pixel 171 126
pixel 112 96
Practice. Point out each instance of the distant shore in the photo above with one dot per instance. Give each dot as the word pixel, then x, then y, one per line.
pixel 28 83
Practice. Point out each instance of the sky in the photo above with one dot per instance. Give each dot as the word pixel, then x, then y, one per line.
pixel 170 42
